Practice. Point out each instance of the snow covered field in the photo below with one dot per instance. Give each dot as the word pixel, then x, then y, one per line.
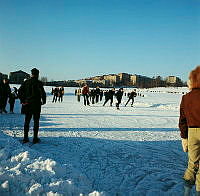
pixel 95 150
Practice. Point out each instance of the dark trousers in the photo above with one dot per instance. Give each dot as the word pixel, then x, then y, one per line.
pixel 36 118
pixel 86 100
pixel 1 103
pixel 118 102
pixel 93 97
pixel 4 103
pixel 12 106
pixel 55 98
pixel 97 98
pixel 111 101
pixel 60 98
pixel 129 100
pixel 78 98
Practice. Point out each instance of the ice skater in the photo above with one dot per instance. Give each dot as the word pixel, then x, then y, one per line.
pixel 109 96
pixel 119 95
pixel 131 97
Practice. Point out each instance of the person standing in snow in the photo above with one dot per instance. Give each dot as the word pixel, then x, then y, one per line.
pixel 119 95
pixel 131 97
pixel 189 125
pixel 93 95
pixel 97 92
pixel 85 93
pixel 32 95
pixel 55 94
pixel 12 97
pixel 101 95
pixel 61 93
pixel 78 94
pixel 5 93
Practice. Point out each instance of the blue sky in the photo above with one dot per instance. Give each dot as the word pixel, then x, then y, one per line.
pixel 74 39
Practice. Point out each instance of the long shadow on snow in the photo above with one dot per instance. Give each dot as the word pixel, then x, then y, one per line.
pixel 115 166
pixel 121 167
pixel 104 114
pixel 104 129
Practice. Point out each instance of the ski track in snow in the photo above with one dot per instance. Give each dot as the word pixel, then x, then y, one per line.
pixel 133 151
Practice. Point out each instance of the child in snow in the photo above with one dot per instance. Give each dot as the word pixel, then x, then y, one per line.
pixel 12 98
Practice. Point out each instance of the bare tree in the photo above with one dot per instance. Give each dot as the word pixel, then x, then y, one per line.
pixel 44 79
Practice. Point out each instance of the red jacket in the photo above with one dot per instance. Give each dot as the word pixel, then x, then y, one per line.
pixel 85 90
pixel 189 112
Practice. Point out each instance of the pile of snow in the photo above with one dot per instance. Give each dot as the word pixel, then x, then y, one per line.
pixel 23 170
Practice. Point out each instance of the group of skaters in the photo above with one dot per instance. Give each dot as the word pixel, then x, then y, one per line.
pixel 96 94
pixel 7 95
pixel 57 93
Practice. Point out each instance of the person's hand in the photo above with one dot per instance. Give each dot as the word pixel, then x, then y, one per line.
pixel 185 144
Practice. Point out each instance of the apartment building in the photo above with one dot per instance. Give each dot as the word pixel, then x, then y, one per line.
pixel 124 79
pixel 140 81
pixel 114 79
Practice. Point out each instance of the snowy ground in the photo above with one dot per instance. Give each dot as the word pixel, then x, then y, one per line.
pixel 95 150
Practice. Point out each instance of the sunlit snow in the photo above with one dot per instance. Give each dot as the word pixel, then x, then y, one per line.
pixel 95 150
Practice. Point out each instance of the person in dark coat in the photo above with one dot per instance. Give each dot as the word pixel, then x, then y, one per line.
pixel 119 95
pixel 55 94
pixel 109 96
pixel 97 94
pixel 61 93
pixel 5 93
pixel 131 97
pixel 93 95
pixel 32 95
pixel 101 95
pixel 13 96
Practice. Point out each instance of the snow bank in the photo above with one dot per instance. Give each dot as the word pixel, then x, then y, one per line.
pixel 24 172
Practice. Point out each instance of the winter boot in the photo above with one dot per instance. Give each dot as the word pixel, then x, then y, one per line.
pixel 5 111
pixel 36 140
pixel 197 193
pixel 187 190
pixel 25 140
pixel 187 187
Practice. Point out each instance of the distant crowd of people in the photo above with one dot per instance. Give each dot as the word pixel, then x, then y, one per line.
pixel 96 94
pixel 57 94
